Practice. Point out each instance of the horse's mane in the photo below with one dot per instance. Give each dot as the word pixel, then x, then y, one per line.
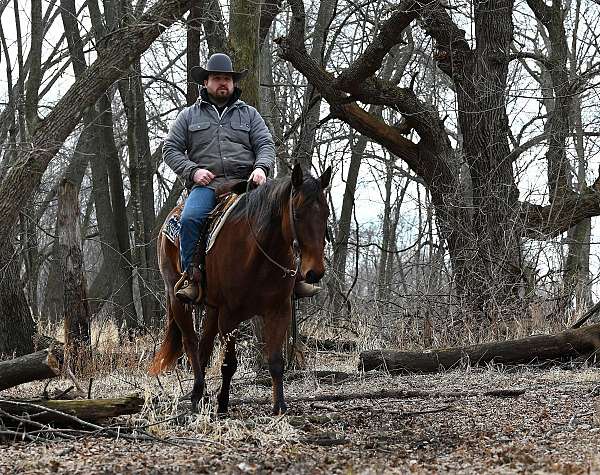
pixel 265 205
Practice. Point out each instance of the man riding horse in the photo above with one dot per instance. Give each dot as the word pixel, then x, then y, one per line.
pixel 219 138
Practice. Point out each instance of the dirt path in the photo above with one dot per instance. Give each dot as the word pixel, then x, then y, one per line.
pixel 553 428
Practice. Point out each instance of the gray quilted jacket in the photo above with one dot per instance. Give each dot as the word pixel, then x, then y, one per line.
pixel 230 145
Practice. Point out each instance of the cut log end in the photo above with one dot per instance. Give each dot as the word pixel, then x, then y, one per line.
pixel 42 364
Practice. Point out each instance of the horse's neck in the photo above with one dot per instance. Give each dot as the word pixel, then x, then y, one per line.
pixel 277 240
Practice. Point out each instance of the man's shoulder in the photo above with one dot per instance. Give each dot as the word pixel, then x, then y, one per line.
pixel 253 111
pixel 185 111
pixel 240 103
pixel 193 109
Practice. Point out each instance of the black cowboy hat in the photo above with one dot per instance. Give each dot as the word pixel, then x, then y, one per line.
pixel 217 63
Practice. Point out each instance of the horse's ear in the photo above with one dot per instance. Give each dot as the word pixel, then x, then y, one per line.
pixel 326 177
pixel 297 176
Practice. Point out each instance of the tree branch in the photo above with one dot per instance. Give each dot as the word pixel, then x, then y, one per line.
pixel 542 222
pixel 389 35
pixel 450 39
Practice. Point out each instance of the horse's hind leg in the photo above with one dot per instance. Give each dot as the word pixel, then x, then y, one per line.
pixel 208 332
pixel 228 369
pixel 276 326
pixel 185 321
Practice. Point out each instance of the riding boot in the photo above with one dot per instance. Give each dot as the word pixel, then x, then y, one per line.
pixel 192 285
pixel 303 289
pixel 189 289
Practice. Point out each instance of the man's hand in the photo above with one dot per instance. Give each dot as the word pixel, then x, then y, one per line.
pixel 258 176
pixel 203 177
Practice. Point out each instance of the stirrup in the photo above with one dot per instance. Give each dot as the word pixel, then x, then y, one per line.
pixel 303 290
pixel 180 282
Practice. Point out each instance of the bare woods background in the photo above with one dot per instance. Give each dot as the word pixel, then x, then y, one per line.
pixel 463 138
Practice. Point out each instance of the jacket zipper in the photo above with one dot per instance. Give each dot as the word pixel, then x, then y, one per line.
pixel 220 126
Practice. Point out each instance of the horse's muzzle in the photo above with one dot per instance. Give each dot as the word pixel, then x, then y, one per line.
pixel 313 277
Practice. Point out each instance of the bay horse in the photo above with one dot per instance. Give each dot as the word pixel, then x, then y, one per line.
pixel 274 231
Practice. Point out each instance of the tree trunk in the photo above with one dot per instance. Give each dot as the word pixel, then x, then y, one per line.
pixel 194 28
pixel 271 111
pixel 214 28
pixel 16 324
pixel 494 271
pixel 76 307
pixel 576 275
pixel 393 257
pixel 566 345
pixel 31 254
pixel 141 174
pixel 340 246
pixel 311 104
pixel 117 224
pixel 109 200
pixel 386 238
pixel 118 261
pixel 244 22
pixel 52 307
pixel 117 51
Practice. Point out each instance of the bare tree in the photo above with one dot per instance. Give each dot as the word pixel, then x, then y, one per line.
pixel 484 240
pixel 25 175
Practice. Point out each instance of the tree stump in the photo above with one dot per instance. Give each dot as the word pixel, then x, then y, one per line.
pixel 76 307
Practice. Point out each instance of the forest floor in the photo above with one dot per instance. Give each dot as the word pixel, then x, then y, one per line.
pixel 554 427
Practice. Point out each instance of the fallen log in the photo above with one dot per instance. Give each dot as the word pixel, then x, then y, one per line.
pixel 568 344
pixel 32 367
pixel 71 412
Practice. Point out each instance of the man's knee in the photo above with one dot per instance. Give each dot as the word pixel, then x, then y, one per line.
pixel 192 220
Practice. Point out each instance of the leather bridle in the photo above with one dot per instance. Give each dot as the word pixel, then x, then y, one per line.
pixel 295 243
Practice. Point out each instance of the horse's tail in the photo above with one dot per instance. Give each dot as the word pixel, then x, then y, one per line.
pixel 170 349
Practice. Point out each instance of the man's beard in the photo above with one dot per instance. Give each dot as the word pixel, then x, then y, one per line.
pixel 221 99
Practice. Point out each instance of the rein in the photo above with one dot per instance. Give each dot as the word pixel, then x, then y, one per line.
pixel 295 243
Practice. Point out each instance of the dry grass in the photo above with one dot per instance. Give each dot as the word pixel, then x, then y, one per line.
pixel 553 428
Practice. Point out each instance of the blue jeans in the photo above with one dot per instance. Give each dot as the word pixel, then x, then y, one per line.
pixel 199 203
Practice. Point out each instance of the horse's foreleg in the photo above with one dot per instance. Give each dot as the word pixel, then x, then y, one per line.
pixel 228 369
pixel 275 329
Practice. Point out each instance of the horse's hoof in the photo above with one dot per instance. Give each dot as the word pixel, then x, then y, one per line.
pixel 279 409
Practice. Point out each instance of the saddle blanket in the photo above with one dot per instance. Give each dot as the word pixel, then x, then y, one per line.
pixel 217 218
pixel 172 228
